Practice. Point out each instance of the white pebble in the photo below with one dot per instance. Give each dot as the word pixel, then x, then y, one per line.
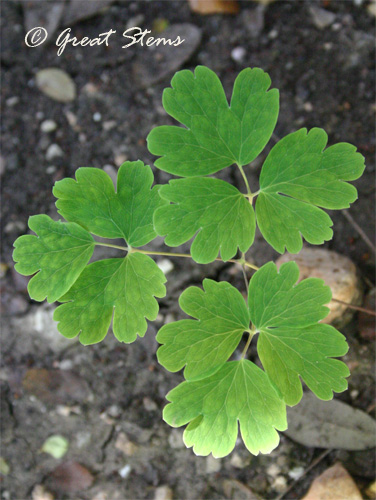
pixel 124 472
pixel 296 472
pixel 238 54
pixel 97 117
pixel 53 151
pixel 48 126
pixel 165 265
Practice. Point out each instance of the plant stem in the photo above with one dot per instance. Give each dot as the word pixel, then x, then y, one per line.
pixel 242 262
pixel 112 246
pixel 251 334
pixel 246 183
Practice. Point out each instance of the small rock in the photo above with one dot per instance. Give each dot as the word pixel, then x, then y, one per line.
pixel 321 18
pixel 307 106
pixel 109 125
pixel 237 461
pixel 16 226
pixel 296 473
pixel 371 490
pixel 12 101
pixel 97 117
pixel 163 493
pixel 56 84
pixel 149 404
pixel 54 151
pixel 56 446
pixel 165 265
pixel 212 464
pixel 338 272
pixel 51 169
pixel 70 477
pixel 273 34
pixel 125 445
pixel 114 411
pixel 125 471
pixel 238 54
pixel 40 493
pixel 273 470
pixel 48 126
pixel 72 120
pixel 152 66
pixel 175 439
pixel 335 484
pixel 279 484
pixel 120 159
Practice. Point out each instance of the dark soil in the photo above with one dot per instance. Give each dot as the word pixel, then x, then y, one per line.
pixel 326 78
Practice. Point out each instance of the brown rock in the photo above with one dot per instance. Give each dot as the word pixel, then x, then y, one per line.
pixel 333 484
pixel 70 477
pixel 338 272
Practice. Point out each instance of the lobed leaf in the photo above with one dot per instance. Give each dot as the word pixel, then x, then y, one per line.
pixel 203 346
pixel 216 135
pixel 297 178
pixel 127 285
pixel 216 212
pixel 58 255
pixel 292 343
pixel 92 202
pixel 238 392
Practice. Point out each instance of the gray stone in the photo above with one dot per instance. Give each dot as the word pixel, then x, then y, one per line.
pixel 321 18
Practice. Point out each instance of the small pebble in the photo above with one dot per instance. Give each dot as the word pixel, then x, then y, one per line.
pixel 296 472
pixel 48 126
pixel 273 470
pixel 97 117
pixel 53 151
pixel 279 484
pixel 124 471
pixel 149 404
pixel 165 265
pixel 308 107
pixel 237 461
pixel 51 169
pixel 109 125
pixel 163 493
pixel 175 439
pixel 238 54
pixel 114 411
pixel 212 464
pixel 12 101
pixel 273 34
pixel 15 227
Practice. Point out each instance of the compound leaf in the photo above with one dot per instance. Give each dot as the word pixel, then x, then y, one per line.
pixel 239 391
pixel 58 254
pixel 217 135
pixel 129 285
pixel 204 345
pixel 220 216
pixel 292 343
pixel 299 176
pixel 92 202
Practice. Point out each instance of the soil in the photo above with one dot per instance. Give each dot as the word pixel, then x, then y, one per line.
pixel 326 78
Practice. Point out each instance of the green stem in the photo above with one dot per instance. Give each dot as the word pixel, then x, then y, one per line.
pixel 251 334
pixel 249 193
pixel 112 246
pixel 242 262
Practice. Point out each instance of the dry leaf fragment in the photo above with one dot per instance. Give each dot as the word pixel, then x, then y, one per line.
pixel 214 6
pixel 333 484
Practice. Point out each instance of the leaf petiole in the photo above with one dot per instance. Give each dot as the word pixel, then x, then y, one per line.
pixel 251 332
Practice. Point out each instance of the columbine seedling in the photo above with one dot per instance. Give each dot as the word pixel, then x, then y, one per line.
pixel 298 179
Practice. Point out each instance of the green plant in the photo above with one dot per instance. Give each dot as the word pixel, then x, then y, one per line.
pixel 298 179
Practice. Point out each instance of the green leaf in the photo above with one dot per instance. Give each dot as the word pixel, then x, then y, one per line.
pixel 292 343
pixel 213 210
pixel 129 285
pixel 299 176
pixel 56 446
pixel 58 254
pixel 92 202
pixel 204 345
pixel 239 391
pixel 217 135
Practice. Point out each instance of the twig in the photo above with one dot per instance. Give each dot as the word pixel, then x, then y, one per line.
pixel 361 233
pixel 350 306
